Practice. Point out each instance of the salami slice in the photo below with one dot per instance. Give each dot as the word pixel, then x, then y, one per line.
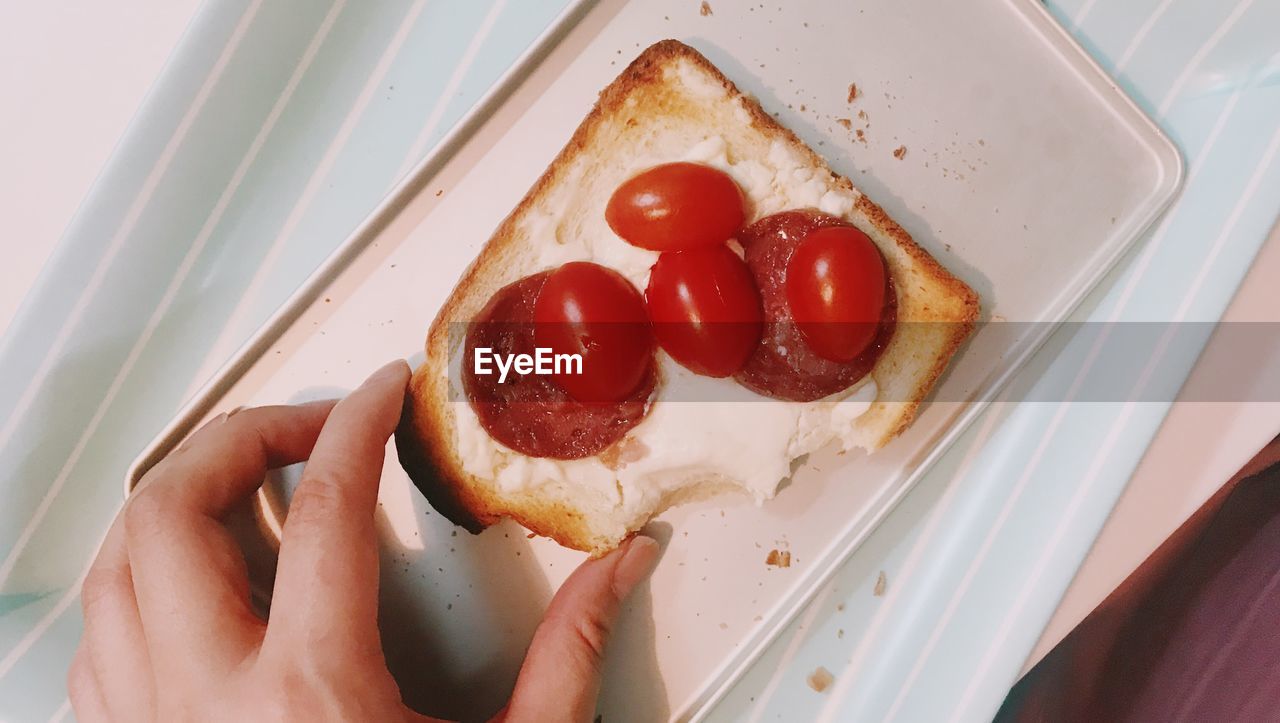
pixel 530 413
pixel 783 366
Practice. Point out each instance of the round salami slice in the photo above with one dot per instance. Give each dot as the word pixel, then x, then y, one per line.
pixel 530 413
pixel 782 365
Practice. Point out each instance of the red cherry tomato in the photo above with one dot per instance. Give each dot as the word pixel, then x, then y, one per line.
pixel 676 206
pixel 589 310
pixel 705 309
pixel 835 287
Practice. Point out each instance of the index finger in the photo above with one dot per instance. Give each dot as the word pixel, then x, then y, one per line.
pixel 188 575
pixel 327 578
pixel 224 461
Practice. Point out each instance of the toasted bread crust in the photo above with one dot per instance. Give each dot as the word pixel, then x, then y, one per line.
pixel 426 438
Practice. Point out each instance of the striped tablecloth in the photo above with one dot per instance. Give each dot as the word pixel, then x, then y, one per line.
pixel 931 619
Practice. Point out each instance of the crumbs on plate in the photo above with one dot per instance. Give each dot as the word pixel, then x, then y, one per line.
pixel 820 679
pixel 778 558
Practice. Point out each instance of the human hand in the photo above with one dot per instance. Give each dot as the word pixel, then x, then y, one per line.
pixel 170 633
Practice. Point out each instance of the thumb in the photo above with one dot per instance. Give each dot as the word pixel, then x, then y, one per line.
pixel 560 677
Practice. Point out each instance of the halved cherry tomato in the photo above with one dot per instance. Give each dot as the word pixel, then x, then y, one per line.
pixel 835 287
pixel 705 309
pixel 593 311
pixel 676 206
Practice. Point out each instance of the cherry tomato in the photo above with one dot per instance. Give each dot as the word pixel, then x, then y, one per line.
pixel 676 206
pixel 705 309
pixel 835 286
pixel 589 310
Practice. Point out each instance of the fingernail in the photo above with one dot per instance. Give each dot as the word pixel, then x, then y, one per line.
pixel 395 369
pixel 319 403
pixel 638 560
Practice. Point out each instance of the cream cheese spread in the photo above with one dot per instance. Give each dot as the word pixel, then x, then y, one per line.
pixel 698 428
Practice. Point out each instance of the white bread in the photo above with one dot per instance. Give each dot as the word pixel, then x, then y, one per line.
pixel 668 102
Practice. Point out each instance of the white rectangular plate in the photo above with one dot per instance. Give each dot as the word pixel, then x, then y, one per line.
pixel 1026 172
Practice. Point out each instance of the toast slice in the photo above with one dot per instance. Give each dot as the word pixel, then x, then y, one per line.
pixel 670 104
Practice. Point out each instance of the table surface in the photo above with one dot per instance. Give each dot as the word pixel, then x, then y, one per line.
pixel 60 59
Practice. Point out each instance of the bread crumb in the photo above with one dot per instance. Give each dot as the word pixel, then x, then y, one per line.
pixel 899 152
pixel 853 92
pixel 820 679
pixel 706 8
pixel 862 115
pixel 802 108
pixel 848 124
pixel 839 607
pixel 861 135
pixel 881 583
pixel 531 535
pixel 840 634
pixel 439 192
pixel 778 558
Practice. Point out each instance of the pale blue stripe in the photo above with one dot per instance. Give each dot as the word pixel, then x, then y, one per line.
pixel 36 687
pixel 102 211
pixel 57 552
pixel 129 293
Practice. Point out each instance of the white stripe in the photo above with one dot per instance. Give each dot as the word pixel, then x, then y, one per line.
pixel 793 648
pixel 62 712
pixel 1194 64
pixel 923 656
pixel 134 213
pixel 845 680
pixel 1157 237
pixel 231 329
pixel 1084 13
pixel 42 626
pixel 175 285
pixel 1140 36
pixel 1218 243
pixel 1251 189
pixel 1112 436
pixel 450 88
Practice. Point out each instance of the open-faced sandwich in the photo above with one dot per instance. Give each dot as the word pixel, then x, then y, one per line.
pixel 686 301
